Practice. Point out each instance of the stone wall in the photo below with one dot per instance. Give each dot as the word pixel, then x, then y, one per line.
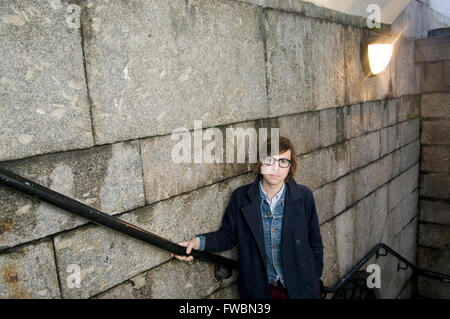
pixel 89 112
pixel 433 250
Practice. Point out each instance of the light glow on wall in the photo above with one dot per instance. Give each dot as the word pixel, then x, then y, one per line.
pixel 379 56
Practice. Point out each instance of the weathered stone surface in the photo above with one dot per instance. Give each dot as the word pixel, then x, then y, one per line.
pixel 390 112
pixel 434 236
pixel 29 272
pixel 375 111
pixel 174 279
pixel 432 288
pixel 433 259
pixel 436 132
pixel 430 50
pixel 405 157
pixel 404 72
pixel 411 20
pixel 44 103
pixel 364 181
pixel 149 62
pixel 328 126
pixel 370 218
pixel 360 88
pixel 435 105
pixel 434 212
pixel 435 185
pixel 331 267
pixel 331 199
pixel 302 129
pixel 408 290
pixel 447 73
pixel 300 75
pixel 433 78
pixel 345 240
pixel 408 107
pixel 436 159
pixel 364 149
pixel 396 136
pixel 177 279
pixel 400 216
pixel 107 258
pixel 408 243
pixel 315 168
pixel 368 117
pixel 402 185
pixel 165 175
pixel 108 178
pixel 353 121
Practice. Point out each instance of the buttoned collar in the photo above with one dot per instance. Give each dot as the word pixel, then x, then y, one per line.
pixel 292 191
pixel 278 196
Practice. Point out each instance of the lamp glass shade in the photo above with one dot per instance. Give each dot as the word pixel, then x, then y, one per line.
pixel 379 56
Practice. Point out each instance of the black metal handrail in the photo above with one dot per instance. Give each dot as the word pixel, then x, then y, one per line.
pixel 376 251
pixel 31 188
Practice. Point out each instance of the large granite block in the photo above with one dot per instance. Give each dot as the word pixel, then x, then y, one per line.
pixel 302 76
pixel 153 66
pixel 174 280
pixel 43 95
pixel 403 184
pixel 434 77
pixel 370 218
pixel 436 159
pixel 108 178
pixel 303 131
pixel 435 185
pixel 364 149
pixel 29 272
pixel 330 259
pixel 345 240
pixel 434 212
pixel 435 105
pixel 434 236
pixel 364 181
pixel 315 168
pixel 433 259
pixel 404 78
pixel 436 132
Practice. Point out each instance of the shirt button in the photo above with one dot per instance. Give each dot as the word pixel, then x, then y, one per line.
pixel 275 246
pixel 268 213
pixel 298 242
pixel 274 230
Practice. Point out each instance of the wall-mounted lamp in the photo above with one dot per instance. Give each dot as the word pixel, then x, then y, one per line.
pixel 376 53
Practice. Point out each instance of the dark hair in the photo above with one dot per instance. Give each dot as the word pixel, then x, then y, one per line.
pixel 284 145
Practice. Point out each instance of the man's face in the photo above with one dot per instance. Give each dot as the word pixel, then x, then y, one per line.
pixel 274 174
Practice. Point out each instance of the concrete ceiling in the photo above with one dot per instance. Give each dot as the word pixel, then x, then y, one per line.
pixel 390 9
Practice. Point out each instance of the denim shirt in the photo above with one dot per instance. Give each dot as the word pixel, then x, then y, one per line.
pixel 272 216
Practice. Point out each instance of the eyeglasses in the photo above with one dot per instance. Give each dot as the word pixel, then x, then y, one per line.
pixel 282 162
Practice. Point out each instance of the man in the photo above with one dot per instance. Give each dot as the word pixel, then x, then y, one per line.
pixel 274 222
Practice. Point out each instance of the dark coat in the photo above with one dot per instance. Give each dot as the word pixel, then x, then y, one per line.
pixel 301 242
